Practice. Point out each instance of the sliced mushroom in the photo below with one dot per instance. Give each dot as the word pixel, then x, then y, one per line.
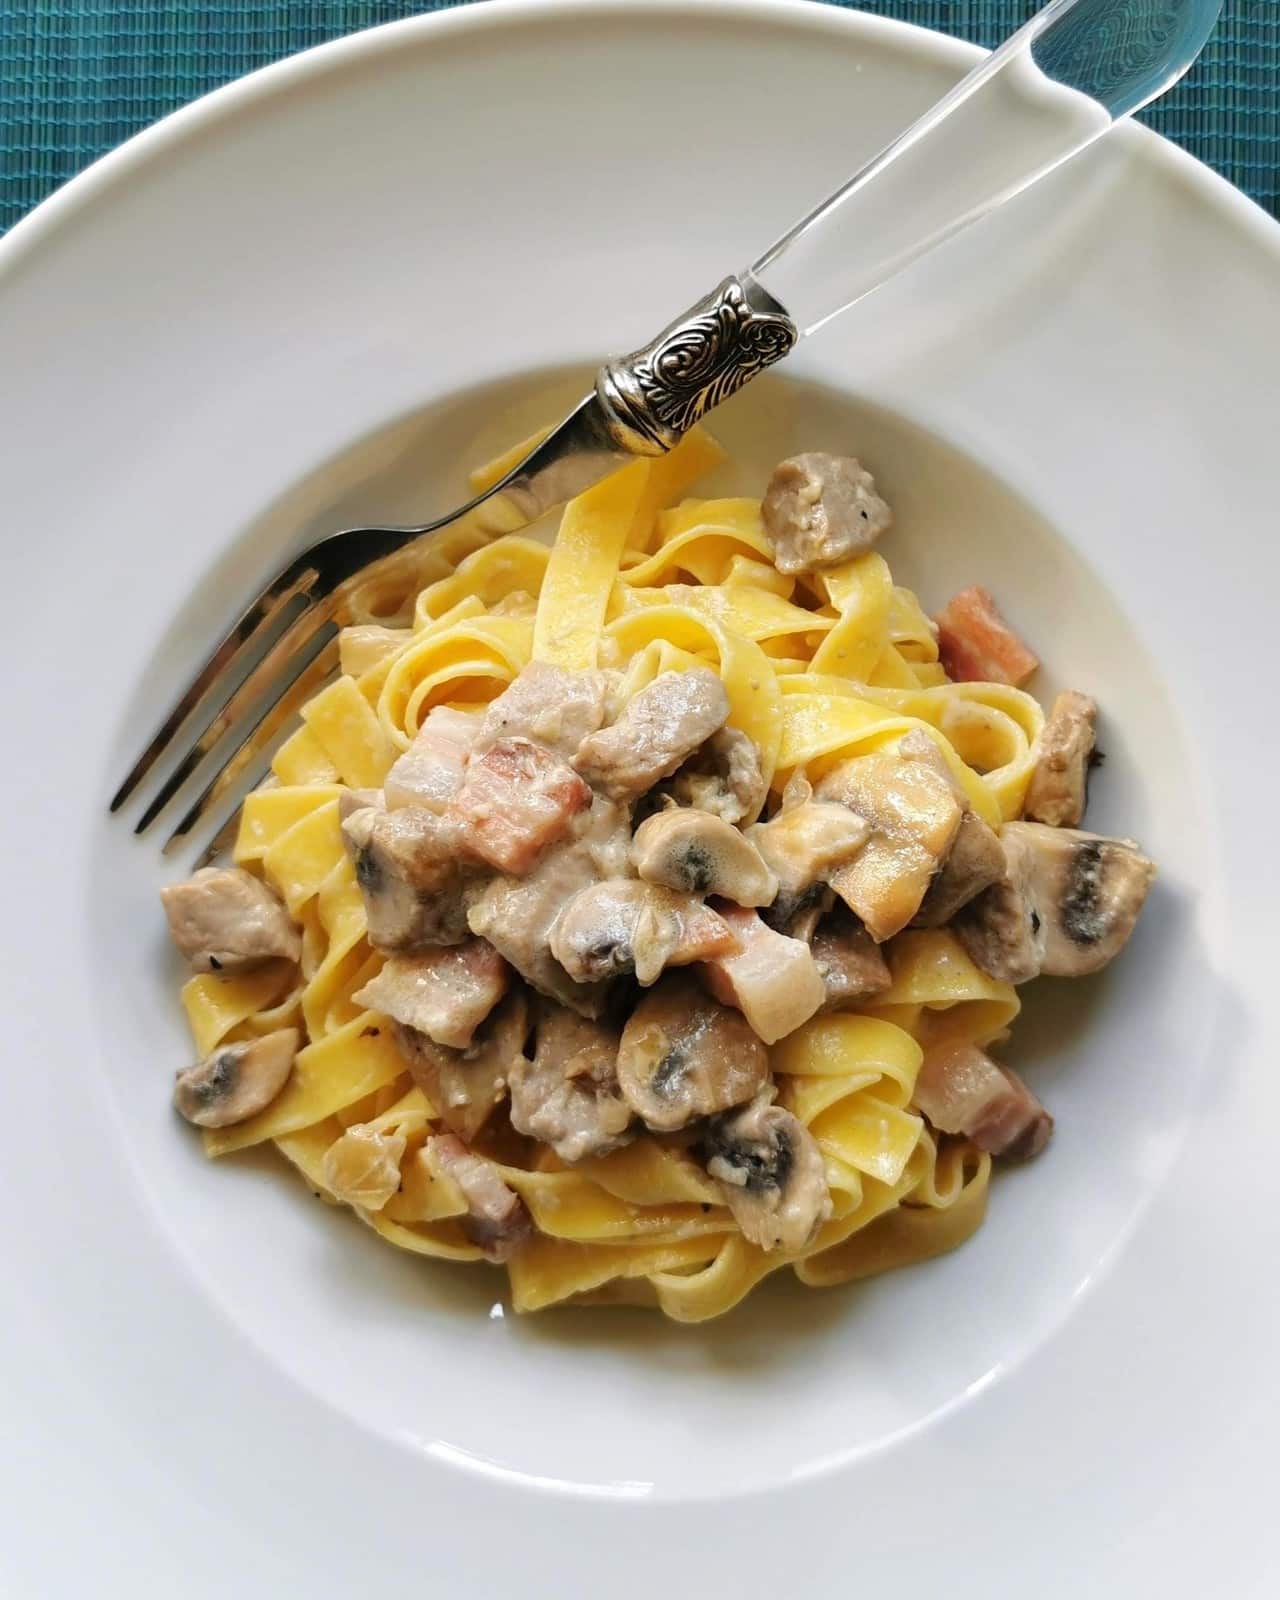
pixel 724 777
pixel 516 914
pixel 429 773
pixel 223 919
pixel 445 994
pixel 962 1090
pixel 1059 783
pixel 515 800
pixel 496 1217
pixel 803 845
pixel 799 918
pixel 849 961
pixel 362 1167
pixel 1066 907
pixel 623 925
pixel 411 875
pixel 771 1173
pixel 568 1095
pixel 974 862
pixel 819 510
pixel 772 979
pixel 697 853
pixel 660 726
pixel 551 705
pixel 237 1080
pixel 464 1086
pixel 914 816
pixel 682 1056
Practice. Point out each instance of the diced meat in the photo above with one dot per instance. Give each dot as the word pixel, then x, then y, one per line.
pixel 849 962
pixel 516 914
pixel 913 814
pixel 977 645
pixel 819 510
pixel 496 1218
pixel 1066 907
pixel 223 919
pixel 237 1081
pixel 515 800
pixel 411 875
pixel 623 925
pixel 724 777
pixel 445 994
pixel 974 862
pixel 553 706
pixel 1059 781
pixel 568 1095
pixel 352 800
pixel 771 979
pixel 771 1174
pixel 962 1090
pixel 697 853
pixel 367 645
pixel 660 726
pixel 429 773
pixel 464 1086
pixel 684 1056
pixel 803 845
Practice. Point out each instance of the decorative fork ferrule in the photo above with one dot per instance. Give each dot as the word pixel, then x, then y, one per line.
pixel 658 392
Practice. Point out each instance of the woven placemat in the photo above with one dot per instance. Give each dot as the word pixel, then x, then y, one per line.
pixel 79 76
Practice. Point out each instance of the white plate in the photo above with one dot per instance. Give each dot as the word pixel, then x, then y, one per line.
pixel 301 303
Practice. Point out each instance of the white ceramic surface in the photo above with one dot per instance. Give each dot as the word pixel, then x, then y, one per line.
pixel 316 297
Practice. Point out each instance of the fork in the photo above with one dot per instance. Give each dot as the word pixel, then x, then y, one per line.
pixel 1057 85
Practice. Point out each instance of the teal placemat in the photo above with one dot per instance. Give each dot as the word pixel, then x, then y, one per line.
pixel 78 76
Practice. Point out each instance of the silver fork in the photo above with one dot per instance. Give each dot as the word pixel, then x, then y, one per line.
pixel 1064 79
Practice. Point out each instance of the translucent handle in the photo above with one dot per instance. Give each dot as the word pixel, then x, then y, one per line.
pixel 1073 72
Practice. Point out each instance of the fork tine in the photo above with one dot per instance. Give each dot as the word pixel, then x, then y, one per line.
pixel 314 669
pixel 248 629
pixel 222 840
pixel 273 669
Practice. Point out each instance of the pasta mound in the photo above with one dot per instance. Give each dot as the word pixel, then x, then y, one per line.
pixel 817 670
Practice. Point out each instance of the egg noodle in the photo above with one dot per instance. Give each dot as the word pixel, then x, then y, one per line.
pixel 817 670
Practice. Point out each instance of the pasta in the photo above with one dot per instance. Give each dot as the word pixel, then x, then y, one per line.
pixel 820 669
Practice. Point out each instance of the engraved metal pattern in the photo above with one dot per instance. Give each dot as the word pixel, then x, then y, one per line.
pixel 657 393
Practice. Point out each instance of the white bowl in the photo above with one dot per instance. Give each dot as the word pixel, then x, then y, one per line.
pixel 313 299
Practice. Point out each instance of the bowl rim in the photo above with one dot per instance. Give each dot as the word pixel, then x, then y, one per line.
pixel 108 178
pixel 309 66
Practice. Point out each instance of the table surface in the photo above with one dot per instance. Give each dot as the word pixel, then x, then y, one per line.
pixel 79 76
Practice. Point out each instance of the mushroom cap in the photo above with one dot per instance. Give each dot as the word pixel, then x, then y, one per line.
pixel 683 1055
pixel 701 854
pixel 771 1172
pixel 1066 907
pixel 236 1081
pixel 624 925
